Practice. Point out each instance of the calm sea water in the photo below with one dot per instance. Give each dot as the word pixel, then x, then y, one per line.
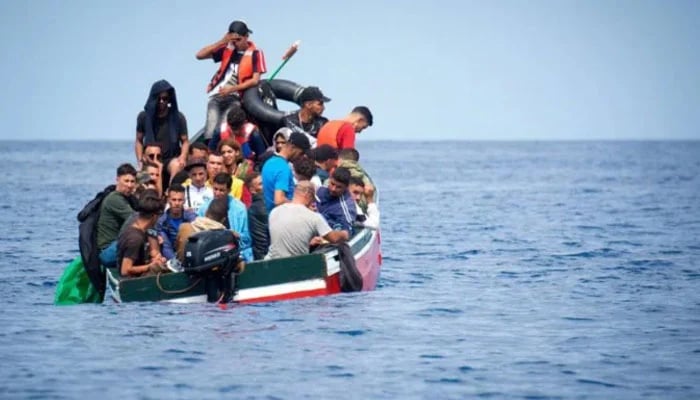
pixel 512 270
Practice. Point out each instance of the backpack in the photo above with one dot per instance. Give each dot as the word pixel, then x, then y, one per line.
pixel 87 239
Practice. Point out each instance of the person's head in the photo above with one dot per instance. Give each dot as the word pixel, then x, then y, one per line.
pixel 152 152
pixel 238 35
pixel 304 193
pixel 218 209
pixel 356 188
pixel 296 146
pixel 163 102
pixel 253 182
pixel 280 138
pixel 338 182
pixel 360 118
pixel 197 168
pixel 215 164
pixel 349 154
pixel 199 150
pixel 235 118
pixel 312 100
pixel 149 206
pixel 152 170
pixel 231 152
pixel 304 168
pixel 221 185
pixel 126 179
pixel 143 181
pixel 176 199
pixel 326 157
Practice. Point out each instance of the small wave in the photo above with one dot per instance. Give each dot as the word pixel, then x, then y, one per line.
pixel 356 332
pixel 594 382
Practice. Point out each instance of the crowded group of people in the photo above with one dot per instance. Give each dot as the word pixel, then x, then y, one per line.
pixel 278 197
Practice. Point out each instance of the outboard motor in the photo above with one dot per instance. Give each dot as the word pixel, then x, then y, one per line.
pixel 214 256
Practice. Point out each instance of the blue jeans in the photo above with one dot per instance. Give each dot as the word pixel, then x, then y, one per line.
pixel 108 255
pixel 217 108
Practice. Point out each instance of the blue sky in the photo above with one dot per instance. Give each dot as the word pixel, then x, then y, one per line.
pixel 487 70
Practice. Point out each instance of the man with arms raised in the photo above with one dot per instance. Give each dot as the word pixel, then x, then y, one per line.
pixel 341 133
pixel 241 64
pixel 115 210
pixel 294 227
pixel 278 179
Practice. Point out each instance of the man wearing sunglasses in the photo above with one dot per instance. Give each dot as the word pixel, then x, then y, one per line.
pixel 163 124
pixel 240 65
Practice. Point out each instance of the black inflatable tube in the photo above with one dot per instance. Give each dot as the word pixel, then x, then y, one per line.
pixel 265 112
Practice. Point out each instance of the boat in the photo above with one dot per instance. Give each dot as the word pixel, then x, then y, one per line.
pixel 315 274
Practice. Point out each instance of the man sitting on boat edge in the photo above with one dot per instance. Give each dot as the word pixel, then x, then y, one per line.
pixel 116 208
pixel 294 227
pixel 335 202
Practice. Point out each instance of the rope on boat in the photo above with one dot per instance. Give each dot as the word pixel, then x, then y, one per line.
pixel 187 289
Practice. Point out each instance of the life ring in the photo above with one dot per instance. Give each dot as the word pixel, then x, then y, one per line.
pixel 261 102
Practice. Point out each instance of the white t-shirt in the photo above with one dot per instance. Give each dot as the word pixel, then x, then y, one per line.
pixel 230 78
pixel 195 197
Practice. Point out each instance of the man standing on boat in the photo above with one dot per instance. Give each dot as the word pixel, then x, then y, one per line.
pixel 241 64
pixel 308 119
pixel 341 133
pixel 161 122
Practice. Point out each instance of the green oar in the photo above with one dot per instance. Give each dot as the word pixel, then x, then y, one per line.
pixel 287 55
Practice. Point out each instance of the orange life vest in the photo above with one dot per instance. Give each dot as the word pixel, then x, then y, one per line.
pixel 245 66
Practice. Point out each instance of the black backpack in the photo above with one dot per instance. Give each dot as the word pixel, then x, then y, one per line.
pixel 87 239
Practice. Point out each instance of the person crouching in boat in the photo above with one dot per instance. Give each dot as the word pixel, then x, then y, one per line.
pixel 335 202
pixel 367 210
pixel 213 218
pixel 240 65
pixel 295 227
pixel 132 244
pixel 237 215
pixel 246 133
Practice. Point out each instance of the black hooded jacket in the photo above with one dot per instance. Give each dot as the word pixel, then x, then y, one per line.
pixel 167 131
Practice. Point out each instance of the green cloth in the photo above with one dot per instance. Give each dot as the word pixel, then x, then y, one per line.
pixel 114 211
pixel 74 286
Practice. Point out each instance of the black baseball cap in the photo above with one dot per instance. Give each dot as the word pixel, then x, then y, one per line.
pixel 239 27
pixel 312 93
pixel 299 140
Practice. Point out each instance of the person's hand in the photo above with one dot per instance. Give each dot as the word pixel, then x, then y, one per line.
pixel 228 37
pixel 315 241
pixel 181 161
pixel 226 90
pixel 369 193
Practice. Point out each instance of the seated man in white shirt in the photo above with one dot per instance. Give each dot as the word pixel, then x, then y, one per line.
pixel 196 190
pixel 294 227
pixel 367 210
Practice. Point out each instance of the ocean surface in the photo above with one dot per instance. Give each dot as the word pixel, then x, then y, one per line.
pixel 525 270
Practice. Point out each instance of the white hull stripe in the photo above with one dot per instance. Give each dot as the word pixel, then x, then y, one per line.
pixel 280 289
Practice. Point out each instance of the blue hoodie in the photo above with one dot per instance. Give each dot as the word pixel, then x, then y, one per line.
pixel 339 212
pixel 238 221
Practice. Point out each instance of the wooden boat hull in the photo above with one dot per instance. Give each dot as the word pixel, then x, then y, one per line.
pixel 309 275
